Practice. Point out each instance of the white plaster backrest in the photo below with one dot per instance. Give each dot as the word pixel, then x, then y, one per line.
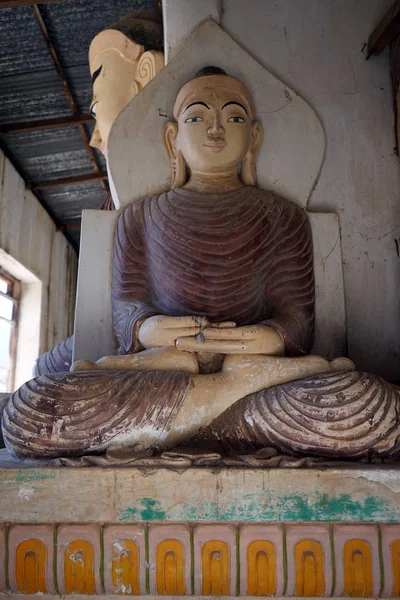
pixel 294 142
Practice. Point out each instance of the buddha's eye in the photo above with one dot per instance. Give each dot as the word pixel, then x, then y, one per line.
pixel 194 120
pixel 236 120
pixel 93 109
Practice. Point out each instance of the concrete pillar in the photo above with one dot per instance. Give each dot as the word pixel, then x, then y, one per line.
pixel 182 17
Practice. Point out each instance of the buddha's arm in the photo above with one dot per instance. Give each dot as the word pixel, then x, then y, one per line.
pixel 130 284
pixel 137 323
pixel 290 289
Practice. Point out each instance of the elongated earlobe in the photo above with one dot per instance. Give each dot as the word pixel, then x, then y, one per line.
pixel 248 173
pixel 178 167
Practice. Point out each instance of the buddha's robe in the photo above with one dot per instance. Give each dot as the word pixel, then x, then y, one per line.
pixel 56 360
pixel 243 256
pixel 334 415
pixel 71 414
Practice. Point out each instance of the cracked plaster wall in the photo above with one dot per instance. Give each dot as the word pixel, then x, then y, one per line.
pixel 317 48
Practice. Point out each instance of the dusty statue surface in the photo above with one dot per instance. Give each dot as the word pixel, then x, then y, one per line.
pixel 213 302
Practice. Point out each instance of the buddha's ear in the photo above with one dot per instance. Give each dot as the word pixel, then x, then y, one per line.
pixel 257 135
pixel 249 171
pixel 95 140
pixel 149 65
pixel 178 171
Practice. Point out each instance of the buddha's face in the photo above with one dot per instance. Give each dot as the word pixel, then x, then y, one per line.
pixel 114 87
pixel 214 130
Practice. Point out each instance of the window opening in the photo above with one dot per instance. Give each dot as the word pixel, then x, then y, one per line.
pixel 9 297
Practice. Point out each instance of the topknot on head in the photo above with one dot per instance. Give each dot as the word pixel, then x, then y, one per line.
pixel 209 70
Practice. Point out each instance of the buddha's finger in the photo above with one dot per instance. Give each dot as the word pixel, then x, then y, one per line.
pixel 180 322
pixel 171 335
pixel 223 325
pixel 195 344
pixel 228 334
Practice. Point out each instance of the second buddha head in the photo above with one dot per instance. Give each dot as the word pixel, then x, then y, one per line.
pixel 123 58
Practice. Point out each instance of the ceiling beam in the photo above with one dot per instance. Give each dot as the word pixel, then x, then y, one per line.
pixel 46 123
pixel 17 166
pixel 14 3
pixel 67 181
pixel 68 93
pixel 385 31
pixel 74 225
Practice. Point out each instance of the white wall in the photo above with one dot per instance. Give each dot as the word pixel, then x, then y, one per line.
pixel 34 251
pixel 315 46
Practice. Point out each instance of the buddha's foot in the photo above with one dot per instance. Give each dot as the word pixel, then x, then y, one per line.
pixel 341 364
pixel 154 359
pixel 265 371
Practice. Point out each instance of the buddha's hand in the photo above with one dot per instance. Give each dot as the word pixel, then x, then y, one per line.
pixel 253 339
pixel 161 331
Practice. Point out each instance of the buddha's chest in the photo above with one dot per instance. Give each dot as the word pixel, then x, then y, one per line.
pixel 210 269
pixel 200 248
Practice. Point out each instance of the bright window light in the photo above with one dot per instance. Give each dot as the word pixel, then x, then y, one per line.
pixel 7 334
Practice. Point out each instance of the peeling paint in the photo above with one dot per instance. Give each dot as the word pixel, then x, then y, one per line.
pixel 313 507
pixel 149 510
pixel 33 475
pixel 25 492
pixel 389 479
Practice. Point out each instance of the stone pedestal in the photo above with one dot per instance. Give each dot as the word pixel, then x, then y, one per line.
pixel 199 532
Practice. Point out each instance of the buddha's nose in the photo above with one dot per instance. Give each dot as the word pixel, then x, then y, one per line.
pixel 216 129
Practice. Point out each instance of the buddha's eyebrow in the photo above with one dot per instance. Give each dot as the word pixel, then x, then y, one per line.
pixel 237 103
pixel 193 103
pixel 96 73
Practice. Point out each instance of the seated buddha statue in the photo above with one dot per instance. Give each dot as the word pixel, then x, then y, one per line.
pixel 213 305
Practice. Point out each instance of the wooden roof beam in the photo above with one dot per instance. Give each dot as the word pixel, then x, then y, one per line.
pixel 74 225
pixel 68 93
pixel 386 30
pixel 77 119
pixel 68 181
pixel 15 3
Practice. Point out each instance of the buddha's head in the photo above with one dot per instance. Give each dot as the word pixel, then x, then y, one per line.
pixel 123 58
pixel 215 131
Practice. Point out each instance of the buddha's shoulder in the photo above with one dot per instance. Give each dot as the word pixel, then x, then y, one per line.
pixel 277 203
pixel 137 208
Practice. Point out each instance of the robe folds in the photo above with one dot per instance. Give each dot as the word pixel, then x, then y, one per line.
pixel 243 256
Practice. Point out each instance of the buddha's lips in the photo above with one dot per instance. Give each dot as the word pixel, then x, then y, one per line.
pixel 216 146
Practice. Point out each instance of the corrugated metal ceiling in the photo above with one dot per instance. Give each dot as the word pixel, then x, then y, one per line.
pixel 30 89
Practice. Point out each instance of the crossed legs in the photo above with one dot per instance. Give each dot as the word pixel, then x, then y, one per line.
pixel 211 395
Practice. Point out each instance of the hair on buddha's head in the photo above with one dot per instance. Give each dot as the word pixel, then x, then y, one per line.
pixel 209 70
pixel 143 28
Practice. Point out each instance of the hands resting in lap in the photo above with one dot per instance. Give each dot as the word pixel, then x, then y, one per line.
pixel 197 334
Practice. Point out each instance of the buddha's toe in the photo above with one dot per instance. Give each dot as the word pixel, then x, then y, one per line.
pixel 342 364
pixel 83 365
